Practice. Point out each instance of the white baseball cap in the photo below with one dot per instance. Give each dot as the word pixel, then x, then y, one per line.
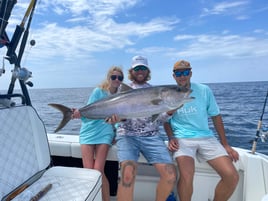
pixel 139 61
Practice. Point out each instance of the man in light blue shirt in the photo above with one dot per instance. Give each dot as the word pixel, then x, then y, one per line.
pixel 191 121
pixel 190 137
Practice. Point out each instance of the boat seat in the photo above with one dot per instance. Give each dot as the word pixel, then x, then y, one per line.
pixel 25 163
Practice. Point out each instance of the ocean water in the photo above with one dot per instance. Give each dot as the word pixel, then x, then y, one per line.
pixel 241 106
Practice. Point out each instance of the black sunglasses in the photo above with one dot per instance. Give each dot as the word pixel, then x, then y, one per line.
pixel 119 77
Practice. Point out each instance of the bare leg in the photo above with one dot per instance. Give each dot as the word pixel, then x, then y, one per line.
pixel 229 178
pixel 98 163
pixel 105 188
pixel 185 182
pixel 167 180
pixel 88 155
pixel 127 181
pixel 100 159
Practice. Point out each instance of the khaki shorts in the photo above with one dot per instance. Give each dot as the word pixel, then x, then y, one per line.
pixel 204 149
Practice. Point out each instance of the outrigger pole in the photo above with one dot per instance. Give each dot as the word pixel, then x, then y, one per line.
pixel 253 150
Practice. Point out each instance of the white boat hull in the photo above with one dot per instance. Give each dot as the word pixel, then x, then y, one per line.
pixel 252 168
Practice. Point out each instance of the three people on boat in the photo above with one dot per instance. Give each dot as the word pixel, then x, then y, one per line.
pixel 187 129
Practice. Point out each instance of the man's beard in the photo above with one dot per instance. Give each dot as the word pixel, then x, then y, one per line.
pixel 138 81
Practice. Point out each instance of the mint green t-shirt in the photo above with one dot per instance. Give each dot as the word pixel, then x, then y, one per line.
pixel 96 131
pixel 191 120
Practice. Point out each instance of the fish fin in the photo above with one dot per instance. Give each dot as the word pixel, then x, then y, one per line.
pixel 67 114
pixel 125 87
pixel 156 101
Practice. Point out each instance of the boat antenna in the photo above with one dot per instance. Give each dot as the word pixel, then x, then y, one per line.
pixel 253 150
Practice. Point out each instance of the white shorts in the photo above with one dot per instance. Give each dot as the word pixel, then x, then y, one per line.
pixel 204 149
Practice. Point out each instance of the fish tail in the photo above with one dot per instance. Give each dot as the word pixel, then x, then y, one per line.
pixel 67 114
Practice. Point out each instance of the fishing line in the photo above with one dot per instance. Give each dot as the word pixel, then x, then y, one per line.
pixel 259 127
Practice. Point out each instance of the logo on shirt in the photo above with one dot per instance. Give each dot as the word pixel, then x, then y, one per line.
pixel 187 110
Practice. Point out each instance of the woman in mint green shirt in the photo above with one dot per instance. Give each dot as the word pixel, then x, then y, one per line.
pixel 96 135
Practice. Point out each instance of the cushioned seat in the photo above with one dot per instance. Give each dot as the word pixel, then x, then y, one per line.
pixel 25 163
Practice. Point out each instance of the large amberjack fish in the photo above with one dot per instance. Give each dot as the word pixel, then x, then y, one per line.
pixel 131 103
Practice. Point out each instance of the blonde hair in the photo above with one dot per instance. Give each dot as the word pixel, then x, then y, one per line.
pixel 106 83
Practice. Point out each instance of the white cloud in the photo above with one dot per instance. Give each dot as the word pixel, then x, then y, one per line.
pixel 225 7
pixel 74 37
pixel 231 46
pixel 53 40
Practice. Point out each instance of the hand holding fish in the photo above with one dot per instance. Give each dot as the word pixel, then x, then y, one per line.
pixel 113 119
pixel 171 112
pixel 75 113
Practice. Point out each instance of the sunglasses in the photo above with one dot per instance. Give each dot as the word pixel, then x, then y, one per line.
pixel 119 77
pixel 180 73
pixel 137 68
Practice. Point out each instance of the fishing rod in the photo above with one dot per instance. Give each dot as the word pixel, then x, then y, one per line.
pixel 11 54
pixel 254 145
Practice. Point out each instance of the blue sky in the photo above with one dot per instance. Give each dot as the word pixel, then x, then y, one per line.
pixel 78 40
